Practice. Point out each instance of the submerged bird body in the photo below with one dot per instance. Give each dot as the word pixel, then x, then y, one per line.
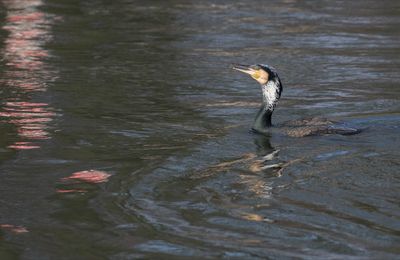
pixel 271 87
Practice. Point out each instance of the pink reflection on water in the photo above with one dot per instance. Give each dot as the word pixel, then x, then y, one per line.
pixel 26 72
pixel 71 191
pixel 23 146
pixel 88 176
pixel 31 120
pixel 26 17
pixel 24 45
pixel 91 176
pixel 14 229
pixel 25 104
pixel 33 134
pixel 21 82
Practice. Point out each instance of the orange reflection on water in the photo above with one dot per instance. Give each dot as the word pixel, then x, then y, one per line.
pixel 26 72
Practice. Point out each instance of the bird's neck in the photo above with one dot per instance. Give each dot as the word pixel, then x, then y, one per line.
pixel 271 94
pixel 263 119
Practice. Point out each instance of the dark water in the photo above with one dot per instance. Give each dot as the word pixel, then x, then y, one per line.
pixel 124 134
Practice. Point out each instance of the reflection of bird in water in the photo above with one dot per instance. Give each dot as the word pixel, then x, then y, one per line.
pixel 267 157
pixel 271 87
pixel 264 159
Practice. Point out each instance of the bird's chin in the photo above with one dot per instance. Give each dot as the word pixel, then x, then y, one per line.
pixel 262 81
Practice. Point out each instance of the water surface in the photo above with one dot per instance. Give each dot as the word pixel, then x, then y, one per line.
pixel 124 134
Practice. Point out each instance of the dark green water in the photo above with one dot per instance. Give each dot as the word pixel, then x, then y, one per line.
pixel 124 134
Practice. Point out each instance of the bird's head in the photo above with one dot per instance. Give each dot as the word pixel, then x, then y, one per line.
pixel 260 72
pixel 271 87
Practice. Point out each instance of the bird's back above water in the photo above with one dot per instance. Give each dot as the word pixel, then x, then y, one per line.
pixel 271 87
pixel 317 126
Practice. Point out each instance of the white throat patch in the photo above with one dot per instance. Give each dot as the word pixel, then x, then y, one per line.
pixel 270 94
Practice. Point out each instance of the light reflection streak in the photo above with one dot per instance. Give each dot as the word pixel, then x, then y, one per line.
pixel 87 176
pixel 14 229
pixel 26 72
pixel 90 176
pixel 71 191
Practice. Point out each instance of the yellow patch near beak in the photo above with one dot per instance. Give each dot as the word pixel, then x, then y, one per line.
pixel 261 76
pixel 256 74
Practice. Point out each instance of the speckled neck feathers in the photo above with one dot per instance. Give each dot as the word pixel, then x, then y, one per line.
pixel 271 92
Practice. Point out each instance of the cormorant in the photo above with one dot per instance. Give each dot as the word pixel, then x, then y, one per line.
pixel 271 87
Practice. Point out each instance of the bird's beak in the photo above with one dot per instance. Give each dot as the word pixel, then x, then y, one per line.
pixel 257 73
pixel 244 68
